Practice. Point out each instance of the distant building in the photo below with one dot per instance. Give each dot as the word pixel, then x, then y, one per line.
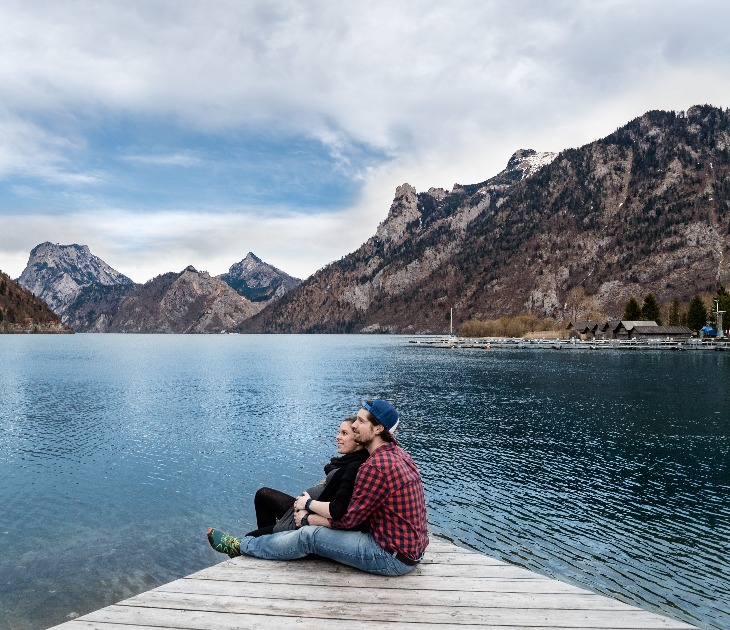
pixel 607 330
pixel 661 332
pixel 625 328
pixel 583 330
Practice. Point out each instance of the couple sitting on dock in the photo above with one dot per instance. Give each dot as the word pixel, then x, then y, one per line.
pixel 369 514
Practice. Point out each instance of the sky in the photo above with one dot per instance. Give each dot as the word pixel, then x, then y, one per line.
pixel 164 134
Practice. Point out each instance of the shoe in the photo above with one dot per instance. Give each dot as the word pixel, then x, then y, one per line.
pixel 224 543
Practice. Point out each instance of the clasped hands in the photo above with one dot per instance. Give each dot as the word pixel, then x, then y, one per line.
pixel 299 511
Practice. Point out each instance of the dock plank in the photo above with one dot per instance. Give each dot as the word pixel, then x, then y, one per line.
pixel 451 588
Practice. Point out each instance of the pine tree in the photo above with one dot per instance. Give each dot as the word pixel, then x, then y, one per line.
pixel 650 309
pixel 632 312
pixel 675 313
pixel 696 313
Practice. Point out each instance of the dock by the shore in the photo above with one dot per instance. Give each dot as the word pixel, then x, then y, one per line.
pixel 452 587
pixel 488 343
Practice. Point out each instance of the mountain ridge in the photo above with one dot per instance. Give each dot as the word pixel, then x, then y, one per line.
pixel 190 301
pixel 93 297
pixel 644 209
pixel 23 312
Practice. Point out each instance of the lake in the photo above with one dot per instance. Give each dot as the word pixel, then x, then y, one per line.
pixel 609 470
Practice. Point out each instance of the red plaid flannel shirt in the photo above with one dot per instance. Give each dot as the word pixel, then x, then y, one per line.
pixel 389 496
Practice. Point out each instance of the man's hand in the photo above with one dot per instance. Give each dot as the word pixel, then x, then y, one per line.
pixel 301 501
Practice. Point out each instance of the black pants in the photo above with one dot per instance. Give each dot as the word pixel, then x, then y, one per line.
pixel 270 506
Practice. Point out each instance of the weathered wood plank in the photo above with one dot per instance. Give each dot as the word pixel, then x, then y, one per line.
pixel 119 618
pixel 452 588
pixel 432 569
pixel 362 612
pixel 395 596
pixel 427 583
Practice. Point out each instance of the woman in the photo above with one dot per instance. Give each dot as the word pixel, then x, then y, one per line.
pixel 275 510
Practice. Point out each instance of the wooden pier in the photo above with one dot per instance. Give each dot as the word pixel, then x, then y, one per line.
pixel 451 588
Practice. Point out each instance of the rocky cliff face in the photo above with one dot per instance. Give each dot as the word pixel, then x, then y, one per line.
pixel 56 273
pixel 23 312
pixel 187 302
pixel 644 209
pixel 420 234
pixel 258 281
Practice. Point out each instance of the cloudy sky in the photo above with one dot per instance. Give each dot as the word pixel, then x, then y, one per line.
pixel 164 133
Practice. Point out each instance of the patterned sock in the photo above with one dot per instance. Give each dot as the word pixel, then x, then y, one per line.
pixel 224 543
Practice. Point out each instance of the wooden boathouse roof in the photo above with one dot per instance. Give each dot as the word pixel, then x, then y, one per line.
pixel 451 588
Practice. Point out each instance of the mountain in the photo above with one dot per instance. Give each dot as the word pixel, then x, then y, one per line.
pixel 258 281
pixel 187 302
pixel 23 312
pixel 56 273
pixel 645 209
pixel 92 297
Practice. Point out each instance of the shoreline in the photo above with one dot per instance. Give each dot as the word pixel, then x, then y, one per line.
pixel 446 342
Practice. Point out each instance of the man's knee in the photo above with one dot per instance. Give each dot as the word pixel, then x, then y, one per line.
pixel 308 537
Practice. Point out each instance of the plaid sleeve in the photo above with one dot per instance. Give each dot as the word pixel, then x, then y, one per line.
pixel 370 491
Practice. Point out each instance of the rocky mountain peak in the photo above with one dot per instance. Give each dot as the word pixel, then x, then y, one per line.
pixel 528 161
pixel 258 281
pixel 646 208
pixel 403 211
pixel 437 193
pixel 56 273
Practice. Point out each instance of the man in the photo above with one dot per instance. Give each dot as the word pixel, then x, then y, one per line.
pixel 388 498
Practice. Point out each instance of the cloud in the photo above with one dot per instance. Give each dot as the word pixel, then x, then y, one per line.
pixel 29 150
pixel 323 108
pixel 185 159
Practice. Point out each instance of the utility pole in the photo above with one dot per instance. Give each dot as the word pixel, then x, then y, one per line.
pixel 718 314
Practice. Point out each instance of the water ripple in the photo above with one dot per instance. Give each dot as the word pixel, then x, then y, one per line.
pixel 604 470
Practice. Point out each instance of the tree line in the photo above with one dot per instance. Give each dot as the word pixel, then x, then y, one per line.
pixel 694 316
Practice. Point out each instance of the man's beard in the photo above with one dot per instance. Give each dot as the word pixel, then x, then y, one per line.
pixel 362 441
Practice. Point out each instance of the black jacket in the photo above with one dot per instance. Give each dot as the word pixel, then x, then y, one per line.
pixel 341 483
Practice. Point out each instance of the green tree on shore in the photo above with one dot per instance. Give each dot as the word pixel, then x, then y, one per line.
pixel 650 309
pixel 632 312
pixel 696 313
pixel 675 313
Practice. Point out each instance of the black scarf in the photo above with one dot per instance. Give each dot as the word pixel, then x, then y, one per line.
pixel 338 462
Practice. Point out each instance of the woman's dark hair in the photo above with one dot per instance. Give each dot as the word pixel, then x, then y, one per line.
pixel 386 435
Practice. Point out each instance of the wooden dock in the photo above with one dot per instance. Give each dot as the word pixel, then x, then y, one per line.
pixel 451 588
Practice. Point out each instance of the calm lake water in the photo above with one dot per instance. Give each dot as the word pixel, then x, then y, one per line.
pixel 609 470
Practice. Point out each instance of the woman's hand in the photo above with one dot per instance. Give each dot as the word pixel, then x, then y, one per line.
pixel 298 516
pixel 301 501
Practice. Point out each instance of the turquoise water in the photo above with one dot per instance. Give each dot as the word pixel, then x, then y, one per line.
pixel 608 470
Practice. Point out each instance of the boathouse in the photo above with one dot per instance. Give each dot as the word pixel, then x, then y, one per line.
pixel 606 331
pixel 658 333
pixel 583 330
pixel 625 328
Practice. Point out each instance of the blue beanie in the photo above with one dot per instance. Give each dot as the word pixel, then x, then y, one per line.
pixel 383 412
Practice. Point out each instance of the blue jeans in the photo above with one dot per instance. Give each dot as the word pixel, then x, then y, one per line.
pixel 355 549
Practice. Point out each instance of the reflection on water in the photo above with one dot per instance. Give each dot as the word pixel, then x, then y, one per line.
pixel 608 470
